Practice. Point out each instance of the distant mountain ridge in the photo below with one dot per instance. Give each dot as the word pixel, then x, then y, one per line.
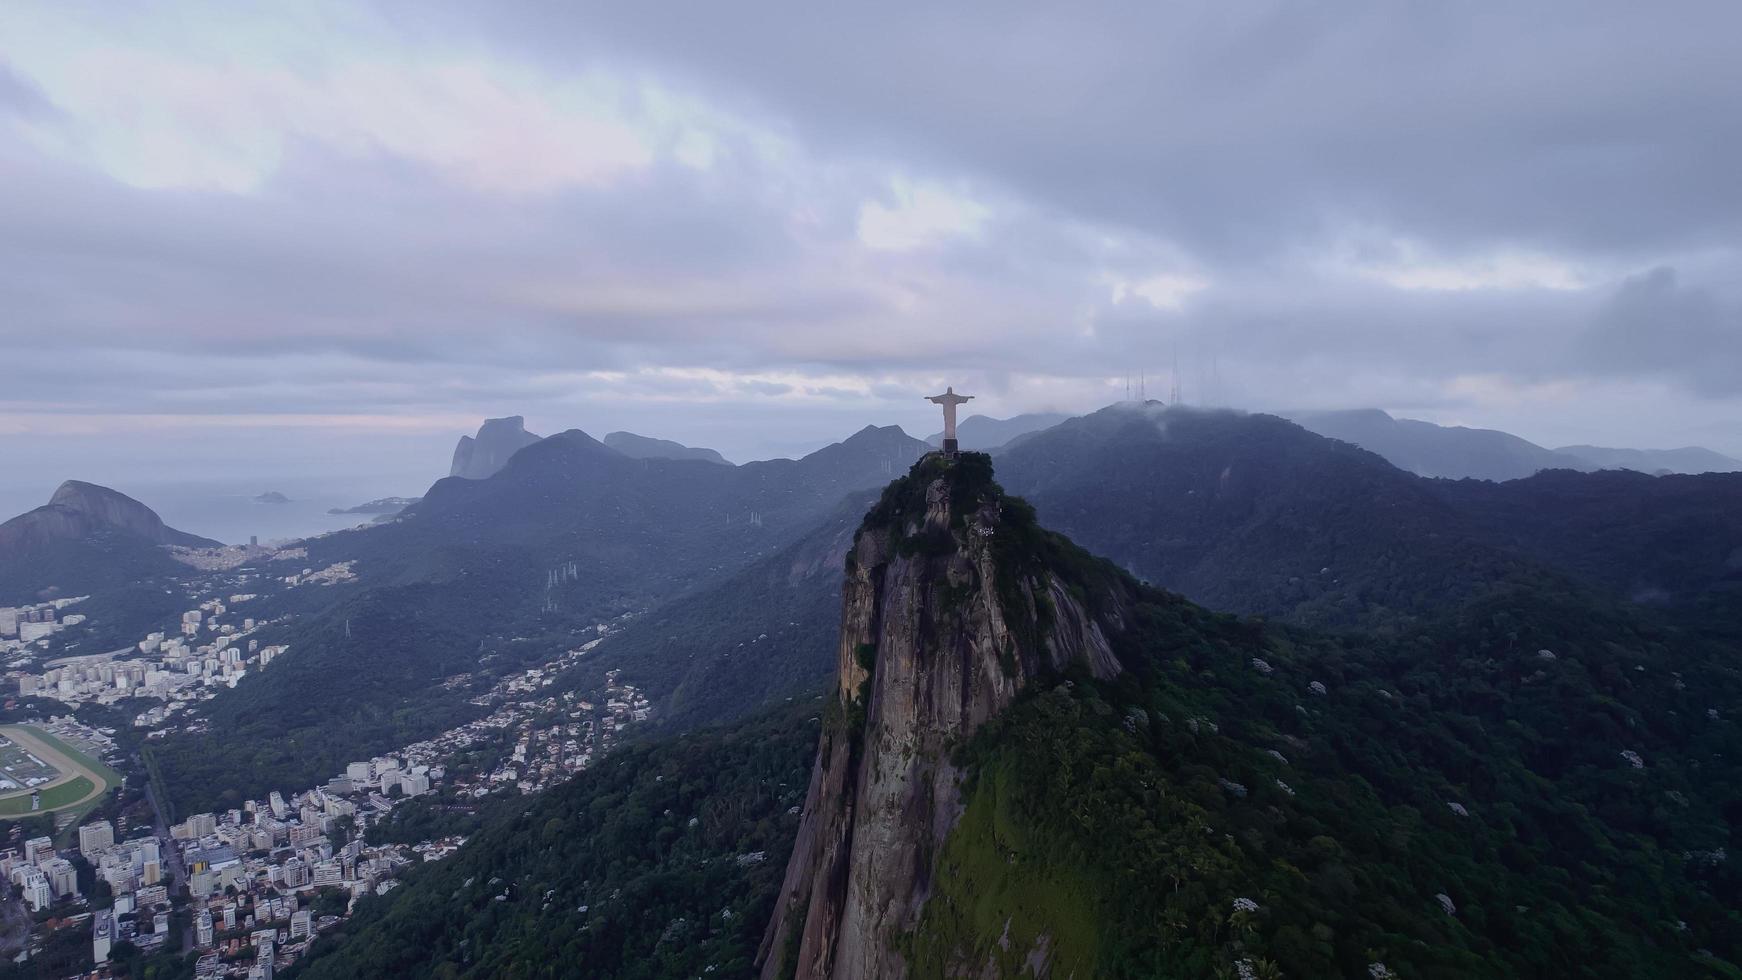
pixel 1254 514
pixel 1688 459
pixel 86 538
pixel 1426 449
pixel 645 447
pixel 478 457
pixel 380 505
pixel 79 510
pixel 1221 507
pixel 569 534
pixel 1456 452
pixel 982 433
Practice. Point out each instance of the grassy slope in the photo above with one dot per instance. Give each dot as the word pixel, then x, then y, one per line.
pixel 53 798
pixel 63 794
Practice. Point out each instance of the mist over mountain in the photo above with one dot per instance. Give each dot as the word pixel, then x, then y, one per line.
pixel 643 447
pixel 1456 452
pixel 1689 459
pixel 480 456
pixel 378 506
pixel 982 433
pixel 1426 449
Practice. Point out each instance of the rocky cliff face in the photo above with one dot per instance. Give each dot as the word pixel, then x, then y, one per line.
pixel 78 510
pixel 949 612
pixel 479 457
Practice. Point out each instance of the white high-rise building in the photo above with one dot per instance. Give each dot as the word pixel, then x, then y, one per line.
pixel 63 878
pixel 35 890
pixel 95 837
pixel 102 935
pixel 38 850
pixel 295 873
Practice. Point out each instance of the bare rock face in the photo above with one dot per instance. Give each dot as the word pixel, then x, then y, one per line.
pixel 948 614
pixel 480 457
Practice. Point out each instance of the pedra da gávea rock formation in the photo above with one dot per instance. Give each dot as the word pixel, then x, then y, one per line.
pixel 482 456
pixel 949 611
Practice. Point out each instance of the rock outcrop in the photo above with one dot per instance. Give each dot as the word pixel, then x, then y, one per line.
pixel 79 510
pixel 480 457
pixel 949 611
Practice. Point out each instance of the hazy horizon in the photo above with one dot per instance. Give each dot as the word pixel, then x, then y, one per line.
pixel 327 240
pixel 218 503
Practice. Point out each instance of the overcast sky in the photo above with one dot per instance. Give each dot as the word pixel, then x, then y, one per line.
pixel 262 240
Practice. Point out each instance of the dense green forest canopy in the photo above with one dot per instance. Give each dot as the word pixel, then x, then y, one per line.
pixel 1540 782
pixel 1537 783
pixel 662 861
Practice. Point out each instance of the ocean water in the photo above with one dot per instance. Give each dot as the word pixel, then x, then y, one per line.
pixel 232 515
pixel 226 509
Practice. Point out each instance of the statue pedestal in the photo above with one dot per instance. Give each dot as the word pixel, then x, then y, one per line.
pixel 949 447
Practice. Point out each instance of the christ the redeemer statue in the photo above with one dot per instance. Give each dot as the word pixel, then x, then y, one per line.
pixel 949 400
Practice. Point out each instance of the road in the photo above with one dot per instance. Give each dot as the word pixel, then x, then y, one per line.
pixel 172 863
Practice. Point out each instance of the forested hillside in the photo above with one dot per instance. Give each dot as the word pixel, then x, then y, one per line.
pixel 1251 513
pixel 1539 784
pixel 768 632
pixel 662 862
pixel 485 577
pixel 86 539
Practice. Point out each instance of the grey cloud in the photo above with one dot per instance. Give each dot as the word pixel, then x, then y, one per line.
pixel 1606 127
pixel 1655 323
pixel 20 97
pixel 1239 145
